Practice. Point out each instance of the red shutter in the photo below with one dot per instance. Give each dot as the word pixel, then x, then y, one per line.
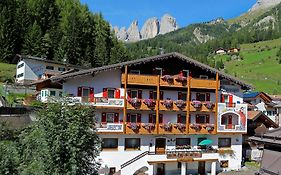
pixel 116 117
pixel 150 118
pixel 161 95
pixel 91 94
pixel 230 100
pixel 103 117
pixel 128 118
pixel 79 91
pixel 160 118
pixel 222 120
pixel 197 119
pixel 179 118
pixel 128 93
pixel 104 93
pixel 179 95
pixel 190 74
pixel 230 122
pixel 197 96
pixel 138 118
pixel 150 94
pixel 222 98
pixel 207 119
pixel 139 94
pixel 117 93
pixel 208 98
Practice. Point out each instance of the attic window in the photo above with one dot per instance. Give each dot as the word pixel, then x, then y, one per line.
pixel 158 71
pixel 135 71
pixel 203 77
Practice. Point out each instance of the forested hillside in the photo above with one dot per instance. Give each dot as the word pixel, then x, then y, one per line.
pixel 58 30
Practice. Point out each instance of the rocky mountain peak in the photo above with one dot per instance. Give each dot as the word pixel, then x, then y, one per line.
pixel 168 24
pixel 133 32
pixel 264 4
pixel 150 28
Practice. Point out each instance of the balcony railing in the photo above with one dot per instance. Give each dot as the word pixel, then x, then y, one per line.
pixel 141 128
pixel 140 104
pixel 98 101
pixel 171 81
pixel 110 127
pixel 201 129
pixel 169 128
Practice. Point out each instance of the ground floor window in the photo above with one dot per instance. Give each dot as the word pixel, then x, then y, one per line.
pixel 112 170
pixel 224 163
pixel 109 143
pixel 224 142
pixel 182 143
pixel 132 143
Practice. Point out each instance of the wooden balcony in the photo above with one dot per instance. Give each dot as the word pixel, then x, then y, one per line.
pixel 152 80
pixel 141 128
pixel 135 79
pixel 205 107
pixel 170 105
pixel 172 128
pixel 201 129
pixel 140 106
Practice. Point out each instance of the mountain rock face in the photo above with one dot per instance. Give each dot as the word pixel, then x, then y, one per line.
pixel 133 32
pixel 264 4
pixel 200 37
pixel 168 24
pixel 151 28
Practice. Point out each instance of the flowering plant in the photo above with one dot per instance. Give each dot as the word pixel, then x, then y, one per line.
pixel 183 146
pixel 134 102
pixel 167 78
pixel 197 104
pixel 168 126
pixel 209 127
pixel 168 104
pixel 148 126
pixel 180 126
pixel 149 102
pixel 209 104
pixel 181 78
pixel 180 103
pixel 134 126
pixel 196 127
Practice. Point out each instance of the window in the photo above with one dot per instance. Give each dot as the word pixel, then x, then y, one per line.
pixel 21 65
pixel 224 163
pixel 181 119
pixel 135 71
pixel 203 76
pixel 110 117
pixel 85 92
pixel 182 96
pixel 109 143
pixel 158 71
pixel 60 94
pixel 52 93
pixel 182 141
pixel 224 142
pixel 110 93
pixel 132 143
pixel 133 118
pixel 62 69
pixel 112 171
pixel 202 119
pixel 153 95
pixel 50 67
pixel 179 165
pixel 20 75
pixel 201 97
pixel 185 73
pixel 134 94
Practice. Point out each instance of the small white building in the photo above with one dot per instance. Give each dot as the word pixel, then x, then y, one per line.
pixel 31 68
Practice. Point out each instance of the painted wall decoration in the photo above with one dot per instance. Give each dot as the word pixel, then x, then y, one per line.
pixel 232 118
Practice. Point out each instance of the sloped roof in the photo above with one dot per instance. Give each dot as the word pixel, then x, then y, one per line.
pixel 149 59
pixel 255 115
pixel 250 94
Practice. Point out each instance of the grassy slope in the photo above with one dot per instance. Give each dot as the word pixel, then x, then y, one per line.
pixel 7 72
pixel 259 66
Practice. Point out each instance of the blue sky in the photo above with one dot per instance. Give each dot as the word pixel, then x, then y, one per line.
pixel 123 12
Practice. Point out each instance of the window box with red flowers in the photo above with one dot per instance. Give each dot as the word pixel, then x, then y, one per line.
pixel 168 104
pixel 180 104
pixel 168 126
pixel 181 78
pixel 135 102
pixel 196 104
pixel 150 103
pixel 148 126
pixel 180 126
pixel 196 127
pixel 209 127
pixel 168 78
pixel 209 105
pixel 134 126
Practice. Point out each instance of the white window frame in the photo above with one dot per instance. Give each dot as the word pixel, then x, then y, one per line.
pixel 161 70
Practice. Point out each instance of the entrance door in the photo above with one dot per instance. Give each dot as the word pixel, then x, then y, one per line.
pixel 201 168
pixel 160 145
pixel 160 169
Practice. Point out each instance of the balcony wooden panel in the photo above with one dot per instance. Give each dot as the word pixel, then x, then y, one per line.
pixel 203 130
pixel 141 130
pixel 172 83
pixel 203 84
pixel 173 130
pixel 203 108
pixel 135 79
pixel 142 106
